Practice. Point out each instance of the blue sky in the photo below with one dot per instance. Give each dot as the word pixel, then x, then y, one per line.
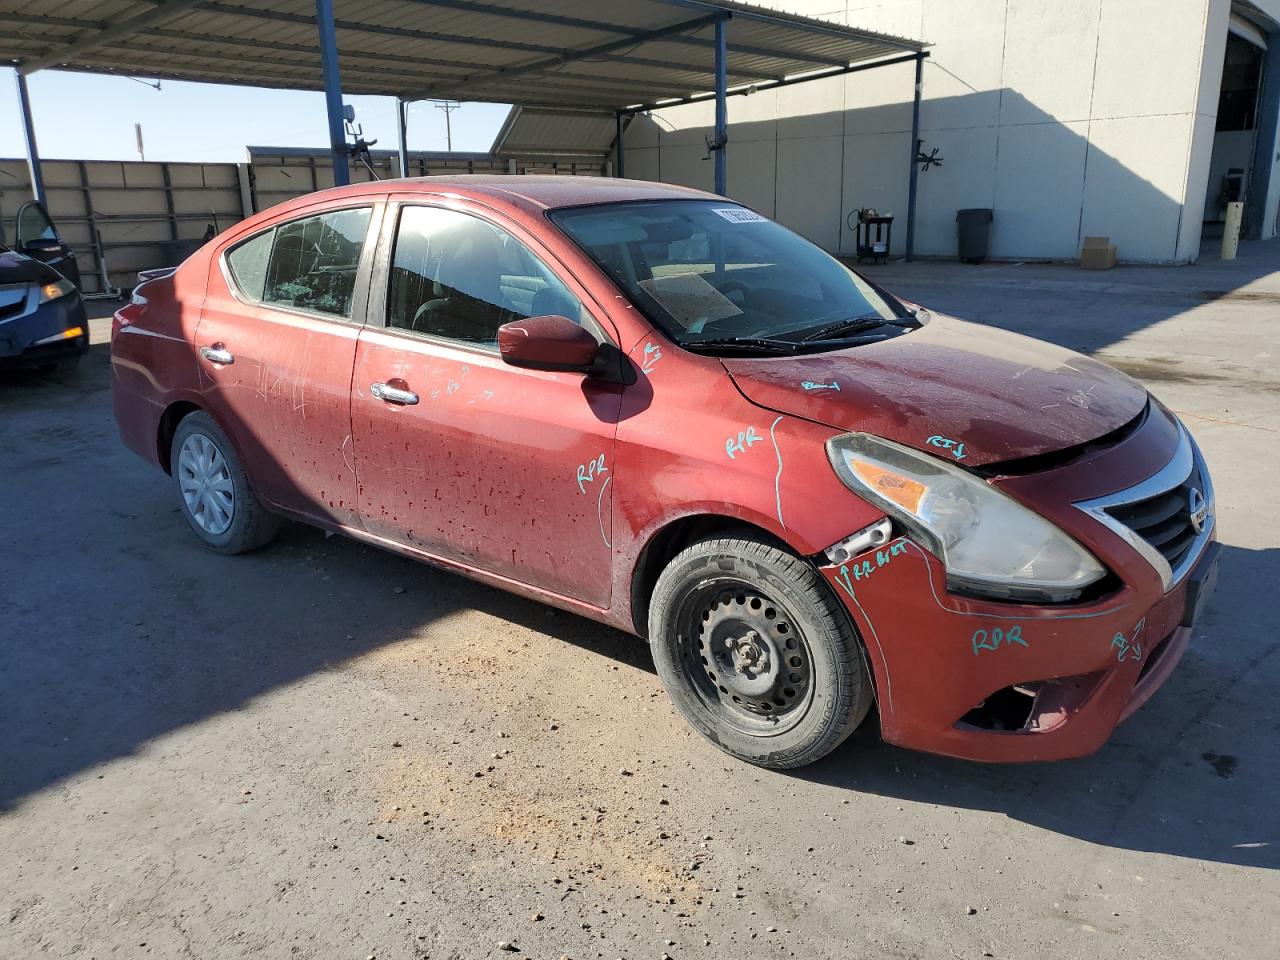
pixel 91 117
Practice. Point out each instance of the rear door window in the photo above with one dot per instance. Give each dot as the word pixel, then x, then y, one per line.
pixel 314 261
pixel 307 264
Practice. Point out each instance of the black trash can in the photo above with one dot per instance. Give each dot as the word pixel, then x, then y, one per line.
pixel 974 227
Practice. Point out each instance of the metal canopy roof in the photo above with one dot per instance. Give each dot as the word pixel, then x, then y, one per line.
pixel 560 53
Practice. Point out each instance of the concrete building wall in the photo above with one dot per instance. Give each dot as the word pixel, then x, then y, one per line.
pixel 1068 119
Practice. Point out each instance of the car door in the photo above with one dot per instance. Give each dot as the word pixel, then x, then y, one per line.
pixel 459 455
pixel 275 346
pixel 36 237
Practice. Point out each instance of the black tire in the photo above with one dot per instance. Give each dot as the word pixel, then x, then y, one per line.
pixel 756 653
pixel 250 525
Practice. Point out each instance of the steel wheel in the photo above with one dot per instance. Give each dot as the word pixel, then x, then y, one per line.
pixel 755 651
pixel 746 655
pixel 205 481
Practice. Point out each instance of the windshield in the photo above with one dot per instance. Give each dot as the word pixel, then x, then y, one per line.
pixel 713 274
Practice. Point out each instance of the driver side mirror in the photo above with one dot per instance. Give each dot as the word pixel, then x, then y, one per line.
pixel 548 343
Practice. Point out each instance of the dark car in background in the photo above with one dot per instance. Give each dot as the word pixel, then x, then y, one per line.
pixel 42 318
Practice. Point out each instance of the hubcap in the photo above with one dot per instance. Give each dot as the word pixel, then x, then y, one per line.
pixel 751 652
pixel 205 482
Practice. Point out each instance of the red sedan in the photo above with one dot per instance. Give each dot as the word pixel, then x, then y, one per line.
pixel 656 408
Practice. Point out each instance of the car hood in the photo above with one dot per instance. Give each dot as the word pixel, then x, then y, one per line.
pixel 16 268
pixel 1002 395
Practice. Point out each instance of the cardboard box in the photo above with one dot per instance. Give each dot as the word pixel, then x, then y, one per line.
pixel 1099 253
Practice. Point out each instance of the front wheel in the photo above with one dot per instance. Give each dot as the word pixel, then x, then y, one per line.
pixel 756 653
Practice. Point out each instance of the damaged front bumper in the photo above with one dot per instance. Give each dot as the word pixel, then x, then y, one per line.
pixel 1000 682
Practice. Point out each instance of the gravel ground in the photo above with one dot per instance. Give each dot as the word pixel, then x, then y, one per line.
pixel 322 750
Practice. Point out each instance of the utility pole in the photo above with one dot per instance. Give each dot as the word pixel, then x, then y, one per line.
pixel 448 106
pixel 137 132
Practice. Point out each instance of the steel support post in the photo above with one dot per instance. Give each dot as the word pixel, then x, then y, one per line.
pixel 332 91
pixel 915 166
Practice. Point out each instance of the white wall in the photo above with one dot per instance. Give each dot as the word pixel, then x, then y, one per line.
pixel 1068 119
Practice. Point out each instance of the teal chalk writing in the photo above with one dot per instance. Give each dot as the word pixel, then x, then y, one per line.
pixel 982 640
pixel 946 443
pixel 1129 648
pixel 862 569
pixel 842 578
pixel 747 438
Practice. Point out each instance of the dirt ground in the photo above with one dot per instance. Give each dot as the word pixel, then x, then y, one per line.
pixel 322 750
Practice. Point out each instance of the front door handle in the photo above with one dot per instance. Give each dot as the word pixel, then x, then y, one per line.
pixel 217 354
pixel 384 391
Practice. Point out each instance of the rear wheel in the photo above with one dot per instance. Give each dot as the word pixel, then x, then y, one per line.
pixel 756 653
pixel 214 490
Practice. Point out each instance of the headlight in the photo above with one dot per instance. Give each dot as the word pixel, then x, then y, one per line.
pixel 59 288
pixel 989 543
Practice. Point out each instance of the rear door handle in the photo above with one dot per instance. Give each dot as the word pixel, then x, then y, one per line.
pixel 392 394
pixel 217 354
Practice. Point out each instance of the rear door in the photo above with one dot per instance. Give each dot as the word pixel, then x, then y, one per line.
pixel 458 454
pixel 275 346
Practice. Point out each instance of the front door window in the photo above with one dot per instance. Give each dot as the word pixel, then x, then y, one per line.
pixel 459 278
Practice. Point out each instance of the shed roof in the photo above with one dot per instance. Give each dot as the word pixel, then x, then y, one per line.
pixel 559 53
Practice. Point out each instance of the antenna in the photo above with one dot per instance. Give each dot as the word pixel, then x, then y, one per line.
pixel 448 106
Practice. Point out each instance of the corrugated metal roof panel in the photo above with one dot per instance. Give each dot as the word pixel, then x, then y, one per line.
pixel 529 131
pixel 566 53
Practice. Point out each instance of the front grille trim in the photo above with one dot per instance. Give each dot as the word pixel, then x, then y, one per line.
pixel 1187 465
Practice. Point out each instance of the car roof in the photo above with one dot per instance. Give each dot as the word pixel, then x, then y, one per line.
pixel 528 192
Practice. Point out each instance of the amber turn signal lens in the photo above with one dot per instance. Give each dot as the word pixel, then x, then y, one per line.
pixel 903 491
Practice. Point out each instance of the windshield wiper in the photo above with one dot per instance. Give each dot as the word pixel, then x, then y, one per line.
pixel 742 344
pixel 851 326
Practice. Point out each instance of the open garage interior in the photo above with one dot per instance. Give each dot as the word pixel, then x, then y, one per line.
pixel 1245 152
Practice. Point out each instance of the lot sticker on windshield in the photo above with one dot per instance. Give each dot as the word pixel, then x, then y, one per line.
pixel 740 215
pixel 957 449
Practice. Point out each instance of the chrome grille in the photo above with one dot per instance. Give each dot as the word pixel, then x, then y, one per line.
pixel 1164 521
pixel 1158 516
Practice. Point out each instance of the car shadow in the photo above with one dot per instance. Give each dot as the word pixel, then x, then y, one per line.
pixel 1194 773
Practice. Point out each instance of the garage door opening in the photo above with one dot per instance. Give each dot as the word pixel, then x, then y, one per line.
pixel 1232 172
